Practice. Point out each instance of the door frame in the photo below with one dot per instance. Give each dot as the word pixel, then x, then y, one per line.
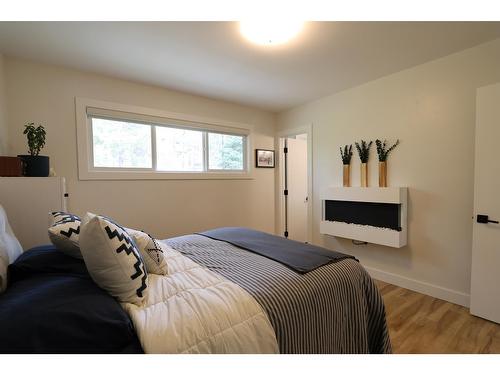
pixel 280 206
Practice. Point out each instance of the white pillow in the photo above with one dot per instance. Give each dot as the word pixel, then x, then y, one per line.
pixel 10 248
pixel 113 259
pixel 64 233
pixel 152 251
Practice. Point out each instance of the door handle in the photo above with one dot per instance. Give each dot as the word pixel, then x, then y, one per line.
pixel 484 219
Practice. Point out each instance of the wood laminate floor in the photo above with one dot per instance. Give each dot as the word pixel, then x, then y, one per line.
pixel 422 324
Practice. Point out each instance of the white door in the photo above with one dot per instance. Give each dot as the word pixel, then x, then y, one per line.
pixel 297 188
pixel 485 276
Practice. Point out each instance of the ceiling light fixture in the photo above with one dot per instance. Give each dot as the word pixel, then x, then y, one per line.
pixel 268 32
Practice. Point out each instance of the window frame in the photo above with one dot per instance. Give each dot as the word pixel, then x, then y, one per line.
pixel 88 108
pixel 206 151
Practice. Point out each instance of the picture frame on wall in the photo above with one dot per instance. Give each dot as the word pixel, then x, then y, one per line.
pixel 264 158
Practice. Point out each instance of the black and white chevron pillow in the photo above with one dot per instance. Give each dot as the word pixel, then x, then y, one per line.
pixel 113 259
pixel 64 233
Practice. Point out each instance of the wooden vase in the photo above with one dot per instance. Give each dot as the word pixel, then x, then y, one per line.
pixel 382 174
pixel 364 175
pixel 347 175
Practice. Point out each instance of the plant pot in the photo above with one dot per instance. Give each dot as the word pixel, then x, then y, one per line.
pixel 347 175
pixel 382 174
pixel 364 175
pixel 35 166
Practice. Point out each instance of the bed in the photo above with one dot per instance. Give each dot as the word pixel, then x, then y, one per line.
pixel 52 306
pixel 336 308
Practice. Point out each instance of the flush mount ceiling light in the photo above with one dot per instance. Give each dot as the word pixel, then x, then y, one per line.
pixel 270 32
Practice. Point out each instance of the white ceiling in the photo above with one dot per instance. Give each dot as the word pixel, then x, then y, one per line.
pixel 212 58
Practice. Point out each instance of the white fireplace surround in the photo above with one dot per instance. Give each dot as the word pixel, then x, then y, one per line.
pixel 367 233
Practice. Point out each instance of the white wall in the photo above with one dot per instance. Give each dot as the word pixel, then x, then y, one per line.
pixel 3 110
pixel 431 109
pixel 46 94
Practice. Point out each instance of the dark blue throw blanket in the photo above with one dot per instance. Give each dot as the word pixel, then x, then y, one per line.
pixel 298 256
pixel 52 305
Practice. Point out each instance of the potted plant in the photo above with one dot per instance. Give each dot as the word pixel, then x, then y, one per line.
pixel 383 153
pixel 346 156
pixel 35 165
pixel 364 154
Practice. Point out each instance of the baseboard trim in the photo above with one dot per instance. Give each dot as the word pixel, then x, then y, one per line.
pixel 432 290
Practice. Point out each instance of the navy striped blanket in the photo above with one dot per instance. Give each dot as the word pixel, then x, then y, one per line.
pixel 298 256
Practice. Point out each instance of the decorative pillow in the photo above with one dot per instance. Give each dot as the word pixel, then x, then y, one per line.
pixel 64 233
pixel 113 259
pixel 10 248
pixel 152 251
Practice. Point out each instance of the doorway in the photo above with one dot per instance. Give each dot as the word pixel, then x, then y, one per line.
pixel 295 185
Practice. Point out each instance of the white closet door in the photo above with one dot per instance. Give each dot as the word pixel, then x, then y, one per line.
pixel 485 277
pixel 297 189
pixel 27 202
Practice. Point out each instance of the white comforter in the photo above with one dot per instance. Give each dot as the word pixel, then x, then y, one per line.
pixel 194 310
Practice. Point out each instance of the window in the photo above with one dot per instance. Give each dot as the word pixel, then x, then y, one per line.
pixel 121 144
pixel 225 151
pixel 179 149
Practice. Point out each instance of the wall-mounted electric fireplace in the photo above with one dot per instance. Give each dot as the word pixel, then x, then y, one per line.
pixel 375 215
pixel 380 215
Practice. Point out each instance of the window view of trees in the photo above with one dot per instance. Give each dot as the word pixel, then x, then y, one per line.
pixel 120 144
pixel 179 149
pixel 124 144
pixel 225 151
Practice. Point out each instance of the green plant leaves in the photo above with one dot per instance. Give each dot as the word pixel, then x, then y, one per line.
pixel 346 154
pixel 363 150
pixel 36 138
pixel 382 150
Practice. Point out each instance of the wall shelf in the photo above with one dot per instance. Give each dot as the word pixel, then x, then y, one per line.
pixel 363 214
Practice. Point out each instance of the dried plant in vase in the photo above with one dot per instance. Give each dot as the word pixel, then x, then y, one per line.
pixel 346 156
pixel 364 154
pixel 383 152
